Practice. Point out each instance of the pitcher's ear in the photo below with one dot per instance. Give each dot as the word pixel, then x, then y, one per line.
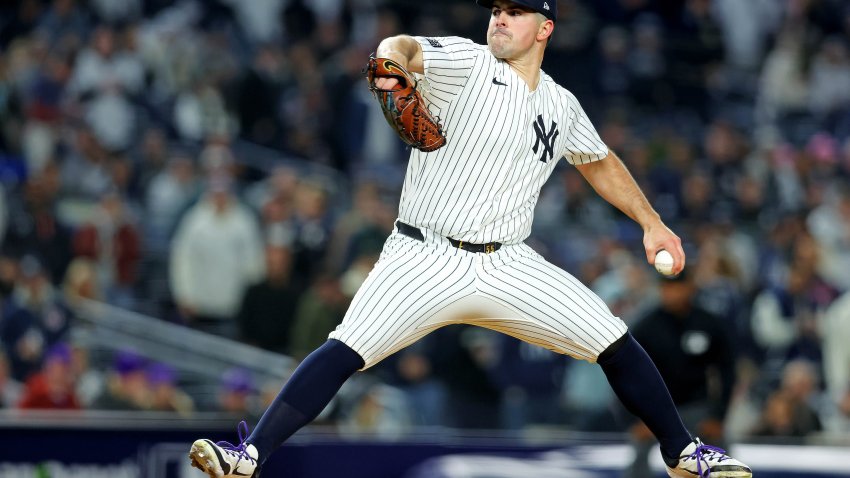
pixel 545 30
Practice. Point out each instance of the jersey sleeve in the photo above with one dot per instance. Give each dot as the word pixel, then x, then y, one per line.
pixel 448 62
pixel 583 144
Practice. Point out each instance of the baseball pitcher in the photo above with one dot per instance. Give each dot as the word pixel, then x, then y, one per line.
pixel 485 134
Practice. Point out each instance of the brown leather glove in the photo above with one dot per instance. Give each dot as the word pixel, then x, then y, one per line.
pixel 403 106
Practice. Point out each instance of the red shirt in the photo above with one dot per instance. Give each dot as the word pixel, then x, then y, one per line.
pixel 37 395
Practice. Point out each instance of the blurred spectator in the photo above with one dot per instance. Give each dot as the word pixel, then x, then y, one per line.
pixel 792 410
pixel 836 356
pixel 624 286
pixel 81 282
pixel 698 199
pixel 304 103
pixel 64 23
pixel 830 77
pixel 379 410
pixel 529 378
pixel 85 169
pixel 463 356
pixel 256 97
pixel 724 151
pixel 34 319
pixel 666 177
pixel 647 64
pixel 612 76
pixel 43 106
pixel 320 310
pixel 127 387
pixel 261 22
pixel 362 229
pixel 784 85
pixel 34 225
pixel 572 201
pixel 165 395
pixel 368 143
pixel 695 48
pixel 411 373
pixel 152 156
pixel 746 30
pixel 8 276
pixel 695 355
pixel 786 181
pixel 273 196
pixel 312 227
pixel 236 394
pixel 829 224
pixel 10 389
pixel 113 242
pixel 169 194
pixel 104 77
pixel 20 22
pixel 116 11
pixel 200 112
pixel 216 254
pixel 122 175
pixel 54 387
pixel 90 381
pixel 720 286
pixel 588 400
pixel 785 316
pixel 268 307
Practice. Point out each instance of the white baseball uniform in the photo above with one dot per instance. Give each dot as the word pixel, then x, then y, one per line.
pixel 503 142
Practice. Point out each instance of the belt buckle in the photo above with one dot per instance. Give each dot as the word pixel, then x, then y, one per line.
pixel 489 248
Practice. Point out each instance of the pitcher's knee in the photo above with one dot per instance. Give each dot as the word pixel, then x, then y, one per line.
pixel 613 348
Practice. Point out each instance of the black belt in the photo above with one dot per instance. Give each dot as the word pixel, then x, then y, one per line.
pixel 414 232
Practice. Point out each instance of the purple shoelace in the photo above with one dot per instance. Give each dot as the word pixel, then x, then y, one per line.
pixel 707 450
pixel 240 450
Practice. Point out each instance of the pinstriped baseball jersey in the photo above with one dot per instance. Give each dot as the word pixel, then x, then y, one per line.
pixel 482 186
pixel 503 141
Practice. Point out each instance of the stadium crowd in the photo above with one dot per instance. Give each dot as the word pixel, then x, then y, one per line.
pixel 221 164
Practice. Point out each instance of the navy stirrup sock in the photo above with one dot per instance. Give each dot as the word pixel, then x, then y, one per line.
pixel 643 392
pixel 307 392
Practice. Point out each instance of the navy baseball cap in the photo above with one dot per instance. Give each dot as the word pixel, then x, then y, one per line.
pixel 548 8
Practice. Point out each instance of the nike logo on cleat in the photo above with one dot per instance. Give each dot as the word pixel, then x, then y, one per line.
pixel 225 467
pixel 497 82
pixel 239 473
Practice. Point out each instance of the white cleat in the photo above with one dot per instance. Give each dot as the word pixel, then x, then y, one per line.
pixel 699 460
pixel 225 460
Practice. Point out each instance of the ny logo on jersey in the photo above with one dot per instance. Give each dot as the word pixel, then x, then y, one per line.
pixel 548 139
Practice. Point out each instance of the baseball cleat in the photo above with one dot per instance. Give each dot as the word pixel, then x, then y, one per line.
pixel 226 460
pixel 704 461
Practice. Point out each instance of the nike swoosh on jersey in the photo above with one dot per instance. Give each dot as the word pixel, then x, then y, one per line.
pixel 497 82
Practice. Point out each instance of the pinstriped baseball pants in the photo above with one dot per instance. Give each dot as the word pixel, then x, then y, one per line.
pixel 418 286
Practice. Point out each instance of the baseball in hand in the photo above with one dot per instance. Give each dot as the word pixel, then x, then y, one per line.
pixel 664 262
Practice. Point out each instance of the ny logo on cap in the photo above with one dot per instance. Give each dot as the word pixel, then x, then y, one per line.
pixel 546 5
